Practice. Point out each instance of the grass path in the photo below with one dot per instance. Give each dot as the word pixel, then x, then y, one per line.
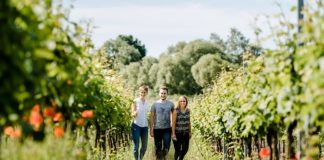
pixel 198 150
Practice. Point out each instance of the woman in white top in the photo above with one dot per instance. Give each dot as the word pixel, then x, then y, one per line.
pixel 140 123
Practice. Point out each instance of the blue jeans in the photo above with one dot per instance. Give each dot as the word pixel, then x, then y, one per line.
pixel 137 133
pixel 162 140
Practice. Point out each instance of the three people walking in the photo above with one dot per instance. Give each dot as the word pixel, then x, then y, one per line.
pixel 160 125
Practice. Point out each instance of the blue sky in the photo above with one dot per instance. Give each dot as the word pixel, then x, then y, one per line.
pixel 160 24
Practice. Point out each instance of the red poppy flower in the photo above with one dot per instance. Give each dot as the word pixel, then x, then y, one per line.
pixel 36 108
pixel 87 114
pixel 8 130
pixel 58 117
pixel 13 133
pixel 35 119
pixel 49 112
pixel 58 131
pixel 264 153
pixel 80 121
pixel 16 133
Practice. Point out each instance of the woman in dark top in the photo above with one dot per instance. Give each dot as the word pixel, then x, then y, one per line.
pixel 181 128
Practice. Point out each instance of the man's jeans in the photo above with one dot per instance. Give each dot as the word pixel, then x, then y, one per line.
pixel 162 140
pixel 137 134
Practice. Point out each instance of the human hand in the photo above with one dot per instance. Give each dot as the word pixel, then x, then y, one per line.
pixel 151 133
pixel 134 114
pixel 174 137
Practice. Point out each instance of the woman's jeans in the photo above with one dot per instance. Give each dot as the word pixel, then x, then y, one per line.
pixel 181 145
pixel 139 133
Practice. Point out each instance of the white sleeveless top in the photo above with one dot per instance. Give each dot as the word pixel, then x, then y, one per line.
pixel 141 108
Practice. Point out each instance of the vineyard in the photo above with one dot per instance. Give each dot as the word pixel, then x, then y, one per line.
pixel 52 82
pixel 274 105
pixel 63 99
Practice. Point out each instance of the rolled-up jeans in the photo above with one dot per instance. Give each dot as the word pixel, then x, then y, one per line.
pixel 139 134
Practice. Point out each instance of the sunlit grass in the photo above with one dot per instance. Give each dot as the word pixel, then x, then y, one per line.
pixel 71 148
pixel 198 150
pixel 50 148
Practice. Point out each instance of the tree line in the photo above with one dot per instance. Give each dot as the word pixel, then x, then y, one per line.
pixel 185 68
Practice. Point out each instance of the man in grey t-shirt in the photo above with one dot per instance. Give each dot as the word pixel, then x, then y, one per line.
pixel 160 124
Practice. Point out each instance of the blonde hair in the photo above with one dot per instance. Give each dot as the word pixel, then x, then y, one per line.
pixel 178 103
pixel 143 88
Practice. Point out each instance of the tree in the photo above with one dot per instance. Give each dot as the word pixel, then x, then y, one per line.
pixel 123 50
pixel 130 74
pixel 236 45
pixel 153 75
pixel 195 49
pixel 135 43
pixel 144 73
pixel 219 42
pixel 208 68
pixel 163 73
pixel 173 50
pixel 236 42
pixel 138 73
pixel 174 69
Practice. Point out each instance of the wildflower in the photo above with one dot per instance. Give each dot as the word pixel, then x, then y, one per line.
pixel 16 133
pixel 58 131
pixel 36 108
pixel 35 119
pixel 264 153
pixel 58 117
pixel 87 114
pixel 49 112
pixel 13 133
pixel 80 121
pixel 8 130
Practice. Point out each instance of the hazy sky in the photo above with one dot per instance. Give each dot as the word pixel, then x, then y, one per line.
pixel 160 24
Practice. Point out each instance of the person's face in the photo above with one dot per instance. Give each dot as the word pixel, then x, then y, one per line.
pixel 143 93
pixel 163 94
pixel 183 102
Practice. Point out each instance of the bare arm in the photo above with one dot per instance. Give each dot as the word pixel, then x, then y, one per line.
pixel 174 120
pixel 133 110
pixel 152 123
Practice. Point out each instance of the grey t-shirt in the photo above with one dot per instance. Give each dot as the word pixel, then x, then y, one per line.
pixel 162 112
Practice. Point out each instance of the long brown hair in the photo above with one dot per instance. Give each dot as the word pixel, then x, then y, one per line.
pixel 178 104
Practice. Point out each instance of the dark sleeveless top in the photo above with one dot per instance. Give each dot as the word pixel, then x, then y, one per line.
pixel 182 121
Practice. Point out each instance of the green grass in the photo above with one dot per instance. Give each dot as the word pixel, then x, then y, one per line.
pixel 198 150
pixel 71 148
pixel 50 149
